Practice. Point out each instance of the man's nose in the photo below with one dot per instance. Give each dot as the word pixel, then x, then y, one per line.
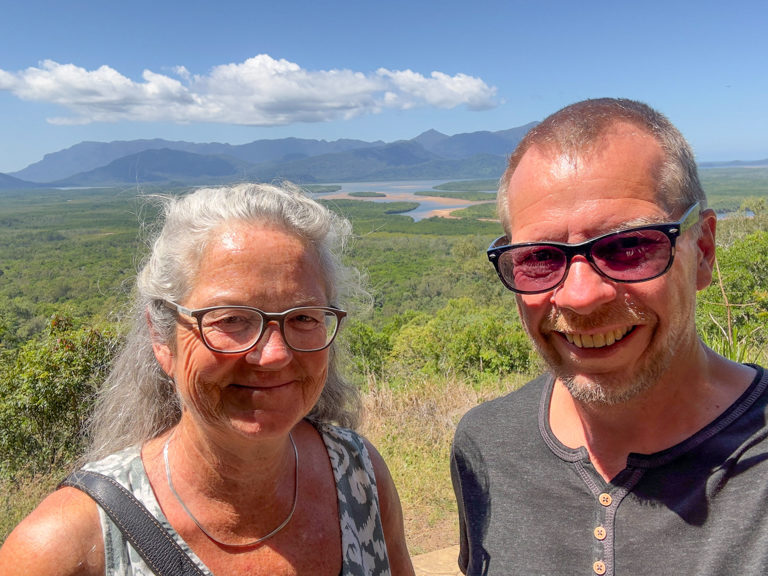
pixel 584 289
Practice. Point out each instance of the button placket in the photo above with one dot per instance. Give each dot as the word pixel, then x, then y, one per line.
pixel 606 500
pixel 599 566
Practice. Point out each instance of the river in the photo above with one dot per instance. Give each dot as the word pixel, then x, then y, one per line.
pixel 403 191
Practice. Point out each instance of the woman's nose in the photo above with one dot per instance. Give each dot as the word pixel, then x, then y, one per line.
pixel 271 349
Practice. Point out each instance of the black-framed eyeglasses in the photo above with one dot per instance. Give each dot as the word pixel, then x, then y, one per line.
pixel 631 255
pixel 237 329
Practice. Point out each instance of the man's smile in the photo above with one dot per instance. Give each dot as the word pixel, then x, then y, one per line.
pixel 597 340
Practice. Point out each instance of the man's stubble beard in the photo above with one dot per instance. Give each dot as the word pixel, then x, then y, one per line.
pixel 614 388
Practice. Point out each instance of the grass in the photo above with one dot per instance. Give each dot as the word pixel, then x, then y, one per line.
pixel 412 427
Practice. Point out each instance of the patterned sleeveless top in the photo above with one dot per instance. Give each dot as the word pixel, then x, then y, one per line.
pixel 364 551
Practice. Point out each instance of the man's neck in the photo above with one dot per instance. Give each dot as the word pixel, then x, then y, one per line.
pixel 669 412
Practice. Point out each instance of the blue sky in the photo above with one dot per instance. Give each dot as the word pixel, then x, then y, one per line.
pixel 238 71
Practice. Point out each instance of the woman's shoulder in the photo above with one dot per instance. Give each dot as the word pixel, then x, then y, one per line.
pixel 116 464
pixel 347 448
pixel 61 536
pixel 346 436
pixel 353 453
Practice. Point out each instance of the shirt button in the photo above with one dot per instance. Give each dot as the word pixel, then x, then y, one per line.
pixel 599 567
pixel 605 499
pixel 600 533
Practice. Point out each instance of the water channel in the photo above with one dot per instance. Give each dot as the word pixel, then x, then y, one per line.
pixel 404 191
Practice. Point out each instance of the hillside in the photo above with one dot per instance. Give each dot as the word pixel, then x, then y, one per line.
pixel 87 156
pixel 429 155
pixel 158 166
pixel 10 183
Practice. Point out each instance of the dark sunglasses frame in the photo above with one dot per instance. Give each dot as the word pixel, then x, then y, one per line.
pixel 671 230
pixel 266 319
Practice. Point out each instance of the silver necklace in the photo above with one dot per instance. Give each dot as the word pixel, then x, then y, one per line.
pixel 208 534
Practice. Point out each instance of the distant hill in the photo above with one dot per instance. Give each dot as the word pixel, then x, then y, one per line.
pixel 158 166
pixel 429 155
pixel 430 139
pixel 734 164
pixel 466 145
pixel 404 160
pixel 88 156
pixel 10 183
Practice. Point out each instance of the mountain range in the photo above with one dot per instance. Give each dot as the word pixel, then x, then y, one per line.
pixel 431 155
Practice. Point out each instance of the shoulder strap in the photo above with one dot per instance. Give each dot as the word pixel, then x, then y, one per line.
pixel 153 543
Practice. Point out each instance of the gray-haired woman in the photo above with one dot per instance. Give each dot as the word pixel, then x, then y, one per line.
pixel 225 414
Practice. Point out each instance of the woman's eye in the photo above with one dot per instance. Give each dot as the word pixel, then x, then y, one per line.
pixel 228 322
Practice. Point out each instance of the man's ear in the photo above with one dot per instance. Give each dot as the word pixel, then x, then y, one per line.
pixel 706 249
pixel 162 351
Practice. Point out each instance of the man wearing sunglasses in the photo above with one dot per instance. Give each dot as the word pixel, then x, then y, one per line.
pixel 640 451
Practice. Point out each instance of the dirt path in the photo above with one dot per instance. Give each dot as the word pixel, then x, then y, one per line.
pixel 438 563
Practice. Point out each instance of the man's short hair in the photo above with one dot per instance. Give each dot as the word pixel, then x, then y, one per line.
pixel 579 128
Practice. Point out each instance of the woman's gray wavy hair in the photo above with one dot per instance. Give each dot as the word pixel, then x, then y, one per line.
pixel 138 401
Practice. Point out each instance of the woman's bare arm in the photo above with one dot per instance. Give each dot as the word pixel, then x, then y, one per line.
pixel 61 537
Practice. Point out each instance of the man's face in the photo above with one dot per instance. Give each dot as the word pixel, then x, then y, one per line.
pixel 605 341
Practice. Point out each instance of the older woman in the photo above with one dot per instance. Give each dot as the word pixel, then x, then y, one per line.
pixel 225 414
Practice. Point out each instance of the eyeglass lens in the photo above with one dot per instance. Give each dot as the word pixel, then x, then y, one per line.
pixel 237 329
pixel 630 256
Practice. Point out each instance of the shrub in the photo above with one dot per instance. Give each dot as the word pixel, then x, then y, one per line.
pixel 465 339
pixel 46 394
pixel 733 311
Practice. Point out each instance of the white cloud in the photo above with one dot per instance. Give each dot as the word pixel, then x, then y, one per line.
pixel 439 90
pixel 260 91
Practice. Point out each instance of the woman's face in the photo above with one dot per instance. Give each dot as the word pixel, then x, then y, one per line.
pixel 270 388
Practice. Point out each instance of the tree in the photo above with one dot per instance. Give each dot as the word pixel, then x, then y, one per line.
pixel 46 395
pixel 465 339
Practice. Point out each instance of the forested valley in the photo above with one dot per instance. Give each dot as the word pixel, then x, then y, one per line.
pixel 438 334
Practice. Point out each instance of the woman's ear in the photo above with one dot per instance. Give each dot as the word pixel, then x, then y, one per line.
pixel 706 249
pixel 162 351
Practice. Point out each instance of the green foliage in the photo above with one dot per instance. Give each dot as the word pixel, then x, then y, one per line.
pixel 368 348
pixel 726 187
pixel 463 339
pixel 470 186
pixel 733 311
pixel 321 188
pixel 46 393
pixel 472 196
pixel 367 195
pixel 362 212
pixel 485 211
pixel 421 272
pixel 73 248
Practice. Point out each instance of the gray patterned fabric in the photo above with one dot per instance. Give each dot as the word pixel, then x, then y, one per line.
pixel 364 551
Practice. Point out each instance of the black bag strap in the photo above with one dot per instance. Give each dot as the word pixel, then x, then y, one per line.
pixel 153 542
